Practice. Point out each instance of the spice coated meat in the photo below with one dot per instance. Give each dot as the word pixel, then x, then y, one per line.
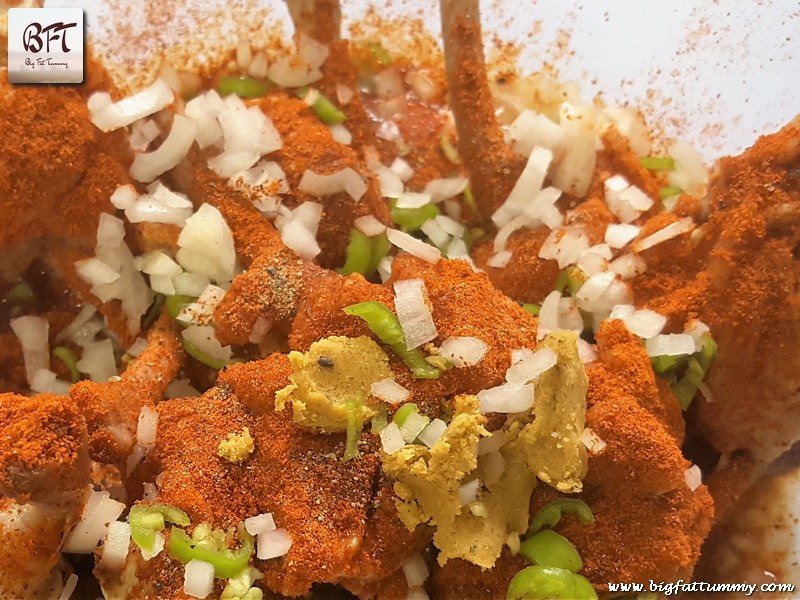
pixel 514 273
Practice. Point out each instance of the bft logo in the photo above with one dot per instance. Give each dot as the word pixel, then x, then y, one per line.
pixel 32 37
pixel 45 45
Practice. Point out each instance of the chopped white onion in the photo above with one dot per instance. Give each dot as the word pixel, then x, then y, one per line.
pixel 413 313
pixel 424 86
pixel 494 465
pixel 190 284
pixel 260 330
pixel 389 391
pixel 344 94
pixel 413 426
pixel 156 262
pixel 529 182
pixel 416 571
pixel 468 493
pixel 206 245
pixel 573 172
pixel 142 104
pixel 260 524
pixel 586 351
pixel 341 134
pixel 593 442
pixel 84 316
pixel 662 235
pixel 99 512
pixel 33 335
pixel 146 427
pixel 506 398
pixel 46 381
pixel 590 295
pixel 390 184
pixel 531 129
pixel 204 110
pixel 402 169
pixel 531 366
pixel 492 443
pixel 435 233
pixel 463 351
pixel 690 173
pixel 272 544
pixel 693 477
pixel 201 311
pixel 146 167
pixel 300 240
pixel 198 578
pixel 628 266
pixel 417 594
pixel 499 260
pixel 98 361
pixel 432 433
pixel 670 344
pixel 204 339
pixel 180 388
pixel 626 202
pixel 143 132
pixel 69 587
pixel 345 180
pixel 98 101
pixel 115 548
pixel 448 187
pixel 413 200
pixel 95 272
pixel 565 246
pixel 619 235
pixel 369 225
pixel 414 246
pixel 391 438
pixel 124 196
pixel 645 323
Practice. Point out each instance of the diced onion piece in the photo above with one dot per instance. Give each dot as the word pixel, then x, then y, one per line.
pixel 493 443
pixel 98 101
pixel 670 344
pixel 413 313
pixel 499 260
pixel 47 382
pixel 531 129
pixel 690 173
pixel 344 94
pixel 190 284
pixel 124 196
pixel 413 426
pixel 391 438
pixel 412 200
pixel 346 180
pixel 389 391
pixel 260 524
pixel 369 225
pixel 463 351
pixel 156 262
pixel 414 246
pixel 564 246
pixel 272 544
pixel 146 167
pixel 435 233
pixel 115 548
pixel 590 294
pixel 180 388
pixel 86 314
pixel 619 235
pixel 137 347
pixel 390 184
pixel 69 587
pixel 424 86
pixel 95 272
pixel 494 465
pixel 206 245
pixel 341 134
pixel 204 339
pixel 198 578
pixel 142 104
pixel 260 330
pixel 98 361
pixel 529 182
pixel 573 172
pixel 506 398
pixel 402 169
pixel 448 187
pixel 628 266
pixel 450 226
pixel 431 434
pixel 417 594
pixel 468 492
pixel 586 351
pixel 300 240
pixel 201 311
pixel 645 323
pixel 531 366
pixel 100 510
pixel 142 133
pixel 593 442
pixel 662 235
pixel 146 427
pixel 693 477
pixel 416 571
pixel 32 333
